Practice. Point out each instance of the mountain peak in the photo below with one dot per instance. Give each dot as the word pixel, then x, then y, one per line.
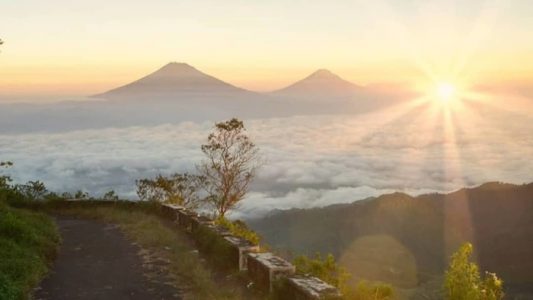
pixel 323 73
pixel 174 78
pixel 321 83
pixel 176 69
pixel 177 65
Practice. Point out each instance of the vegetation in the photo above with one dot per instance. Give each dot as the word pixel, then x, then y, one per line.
pixel 410 236
pixel 329 271
pixel 28 241
pixel 110 196
pixel 33 190
pixel 178 189
pixel 30 193
pixel 326 269
pixel 224 176
pixel 215 248
pixel 463 281
pixel 231 163
pixel 239 228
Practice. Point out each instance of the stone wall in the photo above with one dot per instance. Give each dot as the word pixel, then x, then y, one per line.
pixel 265 269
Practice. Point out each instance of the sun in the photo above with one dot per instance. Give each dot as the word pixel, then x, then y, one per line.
pixel 446 92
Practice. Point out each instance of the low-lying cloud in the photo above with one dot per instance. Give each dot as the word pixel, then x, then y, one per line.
pixel 310 161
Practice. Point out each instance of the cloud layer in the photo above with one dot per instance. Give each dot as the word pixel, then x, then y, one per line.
pixel 310 161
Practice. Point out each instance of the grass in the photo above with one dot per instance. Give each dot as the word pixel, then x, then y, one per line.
pixel 159 240
pixel 28 243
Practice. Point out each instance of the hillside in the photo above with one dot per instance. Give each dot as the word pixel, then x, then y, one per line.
pixel 407 240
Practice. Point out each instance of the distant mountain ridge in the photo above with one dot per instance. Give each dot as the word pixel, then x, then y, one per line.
pixel 180 79
pixel 321 83
pixel 407 240
pixel 178 92
pixel 175 79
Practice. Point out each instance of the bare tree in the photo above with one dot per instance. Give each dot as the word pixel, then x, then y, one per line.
pixel 230 165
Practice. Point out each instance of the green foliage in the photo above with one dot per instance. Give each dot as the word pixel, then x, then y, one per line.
pixel 178 189
pixel 24 195
pixel 28 241
pixel 329 271
pixel 365 290
pixel 230 165
pixel 463 281
pixel 9 192
pixel 53 197
pixel 215 248
pixel 239 228
pixel 325 268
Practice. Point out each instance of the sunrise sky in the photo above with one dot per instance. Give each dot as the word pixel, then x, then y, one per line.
pixel 75 48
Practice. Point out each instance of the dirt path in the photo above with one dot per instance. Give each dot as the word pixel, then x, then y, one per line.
pixel 97 262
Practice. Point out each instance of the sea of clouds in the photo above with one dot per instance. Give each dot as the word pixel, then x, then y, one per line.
pixel 310 161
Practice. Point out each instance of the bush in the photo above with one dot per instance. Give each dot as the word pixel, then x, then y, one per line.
pixel 239 228
pixel 28 241
pixel 178 189
pixel 463 281
pixel 329 271
pixel 326 269
pixel 217 250
pixel 368 291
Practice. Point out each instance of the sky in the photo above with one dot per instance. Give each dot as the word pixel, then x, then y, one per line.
pixel 61 48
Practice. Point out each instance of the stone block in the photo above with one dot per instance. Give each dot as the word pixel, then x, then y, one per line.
pixel 198 221
pixel 239 248
pixel 309 288
pixel 185 220
pixel 170 211
pixel 265 268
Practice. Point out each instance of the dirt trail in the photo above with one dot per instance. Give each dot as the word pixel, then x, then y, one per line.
pixel 97 262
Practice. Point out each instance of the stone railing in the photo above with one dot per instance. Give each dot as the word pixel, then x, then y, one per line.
pixel 268 271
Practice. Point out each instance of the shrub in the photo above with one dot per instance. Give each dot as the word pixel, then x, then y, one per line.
pixel 365 290
pixel 326 269
pixel 329 271
pixel 178 189
pixel 463 281
pixel 239 228
pixel 28 241
pixel 217 250
pixel 110 196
